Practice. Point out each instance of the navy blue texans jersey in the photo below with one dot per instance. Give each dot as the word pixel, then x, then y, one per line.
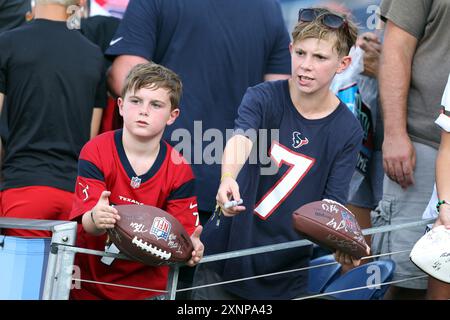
pixel 310 160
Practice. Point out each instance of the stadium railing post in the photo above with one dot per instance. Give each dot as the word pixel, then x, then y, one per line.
pixel 58 279
pixel 172 282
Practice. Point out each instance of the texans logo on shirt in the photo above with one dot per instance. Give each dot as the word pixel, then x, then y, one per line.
pixel 298 140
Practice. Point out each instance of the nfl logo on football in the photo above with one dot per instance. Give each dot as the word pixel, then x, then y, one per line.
pixel 160 228
pixel 348 220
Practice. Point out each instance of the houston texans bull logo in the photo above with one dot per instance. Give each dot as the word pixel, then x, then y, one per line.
pixel 298 140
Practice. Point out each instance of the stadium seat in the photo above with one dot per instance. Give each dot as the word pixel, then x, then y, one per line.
pixel 372 273
pixel 319 278
pixel 23 263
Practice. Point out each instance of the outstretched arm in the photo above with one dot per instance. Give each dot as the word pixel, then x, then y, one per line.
pixel 236 153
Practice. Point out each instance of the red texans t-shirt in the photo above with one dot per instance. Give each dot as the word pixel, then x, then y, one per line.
pixel 169 185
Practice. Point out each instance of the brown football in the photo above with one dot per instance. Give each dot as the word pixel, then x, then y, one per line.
pixel 150 235
pixel 331 225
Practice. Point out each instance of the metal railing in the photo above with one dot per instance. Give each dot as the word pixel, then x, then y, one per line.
pixel 60 264
pixel 58 277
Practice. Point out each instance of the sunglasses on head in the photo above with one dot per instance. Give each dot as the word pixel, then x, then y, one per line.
pixel 328 19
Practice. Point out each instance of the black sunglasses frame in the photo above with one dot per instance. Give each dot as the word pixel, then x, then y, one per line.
pixel 328 19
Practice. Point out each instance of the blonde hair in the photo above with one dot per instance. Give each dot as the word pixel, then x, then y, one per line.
pixel 153 76
pixel 344 37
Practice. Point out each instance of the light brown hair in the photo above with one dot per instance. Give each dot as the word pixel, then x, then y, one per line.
pixel 153 76
pixel 344 37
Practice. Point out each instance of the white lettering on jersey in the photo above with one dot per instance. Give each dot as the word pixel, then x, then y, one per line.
pixel 130 200
pixel 197 221
pixel 299 164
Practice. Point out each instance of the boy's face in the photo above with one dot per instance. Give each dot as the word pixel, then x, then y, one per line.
pixel 146 112
pixel 314 64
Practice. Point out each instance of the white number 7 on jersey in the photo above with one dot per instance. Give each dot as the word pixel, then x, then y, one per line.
pixel 300 165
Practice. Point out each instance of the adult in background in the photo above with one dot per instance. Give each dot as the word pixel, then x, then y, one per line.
pixel 13 13
pixel 51 76
pixel 100 30
pixel 413 72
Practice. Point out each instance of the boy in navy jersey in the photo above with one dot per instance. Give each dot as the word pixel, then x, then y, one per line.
pixel 133 166
pixel 313 140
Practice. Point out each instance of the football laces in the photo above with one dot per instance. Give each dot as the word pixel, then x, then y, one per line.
pixel 162 254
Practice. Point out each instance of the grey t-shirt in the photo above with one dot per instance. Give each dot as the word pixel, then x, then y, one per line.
pixel 428 21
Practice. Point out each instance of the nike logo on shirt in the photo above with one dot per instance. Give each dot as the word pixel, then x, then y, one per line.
pixel 192 206
pixel 113 42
